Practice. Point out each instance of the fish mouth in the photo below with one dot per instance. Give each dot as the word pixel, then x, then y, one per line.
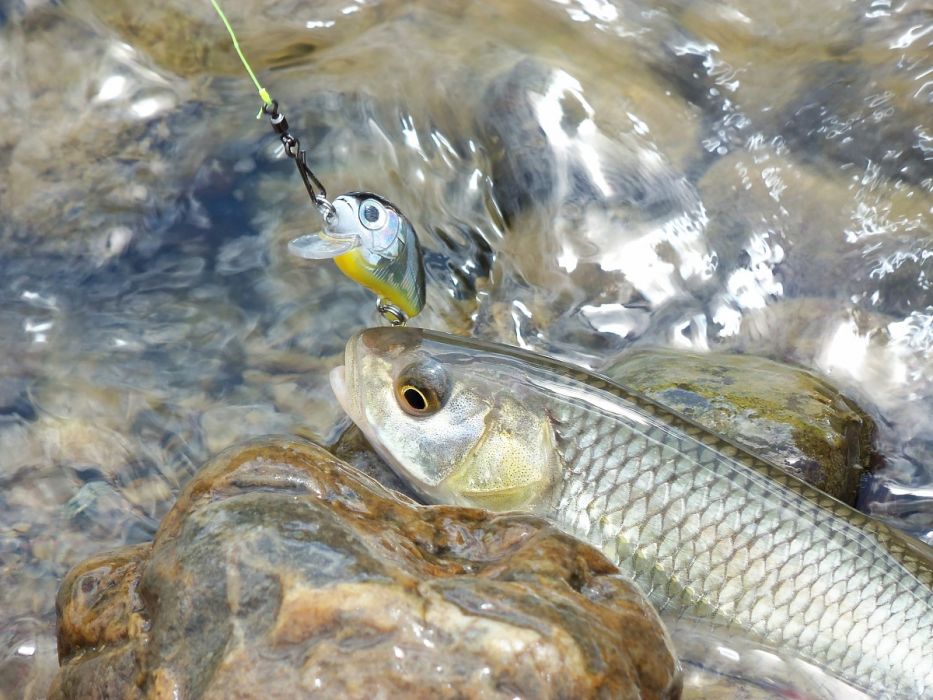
pixel 346 387
pixel 338 385
pixel 346 383
pixel 338 381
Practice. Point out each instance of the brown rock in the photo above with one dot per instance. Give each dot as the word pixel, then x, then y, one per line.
pixel 282 572
pixel 98 602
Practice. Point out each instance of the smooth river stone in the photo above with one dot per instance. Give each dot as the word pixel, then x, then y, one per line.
pixel 282 572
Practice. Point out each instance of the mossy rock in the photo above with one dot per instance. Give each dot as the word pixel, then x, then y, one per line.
pixel 779 412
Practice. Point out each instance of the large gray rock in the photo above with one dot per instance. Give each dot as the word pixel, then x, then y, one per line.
pixel 282 572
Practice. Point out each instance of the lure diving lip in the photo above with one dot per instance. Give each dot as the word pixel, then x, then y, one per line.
pixel 376 246
pixel 319 246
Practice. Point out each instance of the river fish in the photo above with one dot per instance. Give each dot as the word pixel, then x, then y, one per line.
pixel 708 530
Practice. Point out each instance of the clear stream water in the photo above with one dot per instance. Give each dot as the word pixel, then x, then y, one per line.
pixel 585 176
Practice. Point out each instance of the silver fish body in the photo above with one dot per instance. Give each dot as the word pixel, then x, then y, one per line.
pixel 706 529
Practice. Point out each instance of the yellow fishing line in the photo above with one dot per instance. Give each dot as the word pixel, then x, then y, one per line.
pixel 263 93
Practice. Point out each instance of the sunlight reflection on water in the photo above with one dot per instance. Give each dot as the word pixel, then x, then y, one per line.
pixel 745 176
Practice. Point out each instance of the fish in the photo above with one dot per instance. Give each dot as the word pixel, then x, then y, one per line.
pixel 375 245
pixel 709 531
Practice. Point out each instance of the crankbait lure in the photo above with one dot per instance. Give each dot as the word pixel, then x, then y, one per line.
pixel 368 238
pixel 374 244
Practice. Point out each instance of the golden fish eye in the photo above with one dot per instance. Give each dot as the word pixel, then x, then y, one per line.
pixel 422 388
pixel 414 400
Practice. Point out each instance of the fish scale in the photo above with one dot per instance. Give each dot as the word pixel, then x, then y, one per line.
pixel 736 551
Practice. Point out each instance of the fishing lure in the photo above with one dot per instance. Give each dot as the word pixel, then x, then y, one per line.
pixel 368 238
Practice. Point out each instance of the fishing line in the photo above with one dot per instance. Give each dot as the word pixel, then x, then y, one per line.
pixel 369 239
pixel 263 93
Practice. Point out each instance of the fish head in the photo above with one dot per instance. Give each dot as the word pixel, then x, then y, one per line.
pixel 448 419
pixel 359 221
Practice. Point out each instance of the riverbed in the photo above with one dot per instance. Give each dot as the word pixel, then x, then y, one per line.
pixel 585 177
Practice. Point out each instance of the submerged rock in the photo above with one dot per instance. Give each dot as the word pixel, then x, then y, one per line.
pixel 595 213
pixel 550 147
pixel 783 228
pixel 283 572
pixel 780 412
pixel 352 447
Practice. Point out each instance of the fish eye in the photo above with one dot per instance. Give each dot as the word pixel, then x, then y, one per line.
pixel 422 388
pixel 372 214
pixel 414 398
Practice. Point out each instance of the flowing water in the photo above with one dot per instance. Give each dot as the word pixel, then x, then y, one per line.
pixel 585 176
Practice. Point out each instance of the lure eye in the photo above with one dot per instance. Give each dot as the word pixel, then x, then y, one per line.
pixel 372 214
pixel 422 389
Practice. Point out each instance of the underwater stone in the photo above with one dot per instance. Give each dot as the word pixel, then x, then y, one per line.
pixel 780 227
pixel 283 572
pixel 587 210
pixel 781 413
pixel 545 167
pixel 352 447
pixel 853 114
